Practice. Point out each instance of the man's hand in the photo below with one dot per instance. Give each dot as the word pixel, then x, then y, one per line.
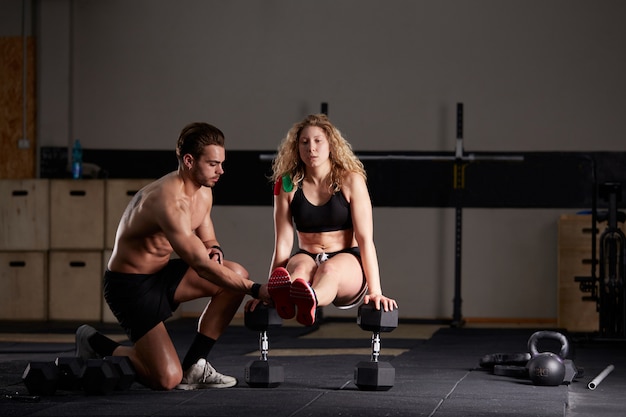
pixel 215 255
pixel 251 304
pixel 264 297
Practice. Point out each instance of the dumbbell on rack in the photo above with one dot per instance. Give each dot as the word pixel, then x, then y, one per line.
pixel 93 376
pixel 41 378
pixel 46 377
pixel 71 370
pixel 375 375
pixel 261 373
pixel 124 369
pixel 99 377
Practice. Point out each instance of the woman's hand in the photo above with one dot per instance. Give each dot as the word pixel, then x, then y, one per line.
pixel 379 300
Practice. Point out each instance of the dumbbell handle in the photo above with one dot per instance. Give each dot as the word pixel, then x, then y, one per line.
pixel 375 346
pixel 264 345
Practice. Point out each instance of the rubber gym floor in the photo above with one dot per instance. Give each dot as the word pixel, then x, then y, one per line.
pixel 437 373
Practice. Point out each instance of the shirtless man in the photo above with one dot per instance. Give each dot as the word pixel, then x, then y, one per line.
pixel 143 285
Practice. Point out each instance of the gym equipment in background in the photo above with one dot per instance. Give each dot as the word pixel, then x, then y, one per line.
pixel 608 290
pixel 542 368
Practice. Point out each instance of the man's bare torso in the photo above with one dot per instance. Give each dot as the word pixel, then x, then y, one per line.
pixel 141 244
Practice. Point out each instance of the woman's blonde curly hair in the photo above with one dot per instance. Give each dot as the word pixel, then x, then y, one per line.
pixel 343 159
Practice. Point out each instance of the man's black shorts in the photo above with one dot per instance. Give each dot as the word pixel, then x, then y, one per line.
pixel 141 301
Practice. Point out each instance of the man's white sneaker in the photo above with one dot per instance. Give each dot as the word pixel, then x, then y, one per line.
pixel 202 375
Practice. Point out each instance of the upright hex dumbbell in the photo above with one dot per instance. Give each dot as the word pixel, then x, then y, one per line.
pixel 261 373
pixel 375 375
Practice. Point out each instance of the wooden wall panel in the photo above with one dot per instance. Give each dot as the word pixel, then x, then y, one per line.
pixel 16 163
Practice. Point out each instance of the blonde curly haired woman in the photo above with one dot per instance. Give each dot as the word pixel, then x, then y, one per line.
pixel 320 188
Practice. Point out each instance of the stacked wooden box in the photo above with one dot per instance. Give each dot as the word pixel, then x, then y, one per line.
pixel 56 237
pixel 575 260
pixel 24 239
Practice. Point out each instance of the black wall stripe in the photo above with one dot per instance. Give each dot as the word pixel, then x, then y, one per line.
pixel 541 180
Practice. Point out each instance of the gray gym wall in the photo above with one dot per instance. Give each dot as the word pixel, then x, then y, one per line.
pixel 533 75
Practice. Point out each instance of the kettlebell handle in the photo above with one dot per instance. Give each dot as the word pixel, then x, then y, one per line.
pixel 546 334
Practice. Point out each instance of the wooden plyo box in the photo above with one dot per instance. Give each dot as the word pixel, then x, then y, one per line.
pixel 24 214
pixel 75 285
pixel 118 195
pixel 76 214
pixel 574 260
pixel 23 286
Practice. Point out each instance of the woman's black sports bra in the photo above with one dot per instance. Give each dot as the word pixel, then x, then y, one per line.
pixel 334 215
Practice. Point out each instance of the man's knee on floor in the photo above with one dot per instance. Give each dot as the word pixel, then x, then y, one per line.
pixel 167 380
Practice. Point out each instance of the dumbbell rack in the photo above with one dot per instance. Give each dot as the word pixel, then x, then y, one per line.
pixel 92 376
pixel 608 290
pixel 612 307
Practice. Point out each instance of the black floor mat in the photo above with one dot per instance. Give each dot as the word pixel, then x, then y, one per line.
pixel 440 376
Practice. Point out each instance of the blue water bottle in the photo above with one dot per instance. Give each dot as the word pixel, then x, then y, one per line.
pixel 77 160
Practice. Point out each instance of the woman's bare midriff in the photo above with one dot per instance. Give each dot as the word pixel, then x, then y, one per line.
pixel 327 241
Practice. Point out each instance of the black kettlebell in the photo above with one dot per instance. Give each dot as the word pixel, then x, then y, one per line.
pixel 547 368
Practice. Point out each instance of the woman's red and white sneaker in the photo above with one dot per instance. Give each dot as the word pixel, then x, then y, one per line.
pixel 305 300
pixel 279 287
